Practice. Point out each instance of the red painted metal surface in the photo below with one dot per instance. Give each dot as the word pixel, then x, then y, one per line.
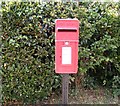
pixel 66 45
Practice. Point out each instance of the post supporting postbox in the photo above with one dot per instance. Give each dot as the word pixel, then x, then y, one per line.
pixel 65 85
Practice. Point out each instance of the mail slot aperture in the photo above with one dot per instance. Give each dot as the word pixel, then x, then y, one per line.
pixel 66 30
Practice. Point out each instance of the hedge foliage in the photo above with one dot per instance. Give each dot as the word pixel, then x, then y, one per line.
pixel 28 46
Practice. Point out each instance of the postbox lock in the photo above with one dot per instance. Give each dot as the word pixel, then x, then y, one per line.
pixel 66 43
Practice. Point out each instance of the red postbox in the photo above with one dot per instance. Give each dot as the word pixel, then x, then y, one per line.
pixel 66 45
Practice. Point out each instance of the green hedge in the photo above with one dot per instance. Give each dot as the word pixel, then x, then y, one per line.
pixel 28 45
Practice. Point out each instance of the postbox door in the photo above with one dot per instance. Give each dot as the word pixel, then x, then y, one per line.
pixel 66 57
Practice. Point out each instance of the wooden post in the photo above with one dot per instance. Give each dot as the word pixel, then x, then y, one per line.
pixel 65 84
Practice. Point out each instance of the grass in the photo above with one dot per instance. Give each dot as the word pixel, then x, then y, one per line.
pixel 85 96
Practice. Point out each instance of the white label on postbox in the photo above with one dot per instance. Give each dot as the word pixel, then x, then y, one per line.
pixel 66 55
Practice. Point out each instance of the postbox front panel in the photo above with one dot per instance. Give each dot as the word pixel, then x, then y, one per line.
pixel 66 46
